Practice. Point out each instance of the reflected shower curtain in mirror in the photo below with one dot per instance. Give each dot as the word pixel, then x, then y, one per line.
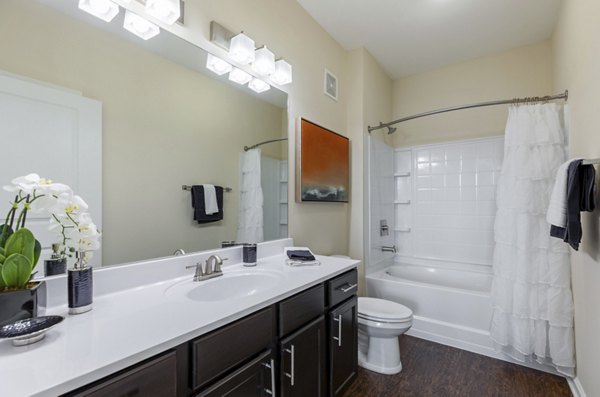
pixel 250 220
pixel 531 290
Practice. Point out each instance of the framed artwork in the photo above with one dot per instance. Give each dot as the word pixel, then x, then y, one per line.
pixel 322 164
pixel 330 85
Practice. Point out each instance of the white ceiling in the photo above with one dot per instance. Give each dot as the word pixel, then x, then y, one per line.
pixel 412 36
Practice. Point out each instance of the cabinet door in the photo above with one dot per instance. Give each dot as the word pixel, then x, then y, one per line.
pixel 302 358
pixel 343 345
pixel 255 379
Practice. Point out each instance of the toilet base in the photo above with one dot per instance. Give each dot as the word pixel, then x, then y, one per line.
pixel 381 355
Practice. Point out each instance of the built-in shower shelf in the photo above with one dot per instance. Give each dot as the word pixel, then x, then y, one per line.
pixel 402 174
pixel 402 202
pixel 402 229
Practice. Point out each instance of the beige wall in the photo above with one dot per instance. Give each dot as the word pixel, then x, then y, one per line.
pixel 163 126
pixel 370 101
pixel 577 68
pixel 290 32
pixel 522 72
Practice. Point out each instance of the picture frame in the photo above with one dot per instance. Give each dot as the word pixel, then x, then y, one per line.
pixel 330 85
pixel 322 164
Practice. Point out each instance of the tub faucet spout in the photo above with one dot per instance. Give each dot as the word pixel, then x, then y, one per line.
pixel 386 248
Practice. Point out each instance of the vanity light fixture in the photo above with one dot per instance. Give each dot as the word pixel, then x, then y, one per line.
pixel 167 11
pixel 282 74
pixel 258 86
pixel 217 65
pixel 140 26
pixel 241 49
pixel 103 9
pixel 239 76
pixel 264 61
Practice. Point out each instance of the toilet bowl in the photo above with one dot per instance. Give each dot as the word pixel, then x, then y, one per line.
pixel 380 322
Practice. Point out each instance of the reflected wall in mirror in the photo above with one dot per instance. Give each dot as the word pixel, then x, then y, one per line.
pixel 165 122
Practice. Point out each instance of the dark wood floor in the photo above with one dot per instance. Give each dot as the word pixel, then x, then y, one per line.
pixel 431 369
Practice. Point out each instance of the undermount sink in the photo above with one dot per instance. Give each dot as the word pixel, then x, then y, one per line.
pixel 232 285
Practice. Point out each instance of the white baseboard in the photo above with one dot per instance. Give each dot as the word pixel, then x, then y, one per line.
pixel 576 387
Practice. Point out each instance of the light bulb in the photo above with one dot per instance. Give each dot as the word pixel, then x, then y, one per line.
pixel 239 76
pixel 103 9
pixel 167 11
pixel 257 85
pixel 241 49
pixel 264 62
pixel 140 26
pixel 282 74
pixel 217 65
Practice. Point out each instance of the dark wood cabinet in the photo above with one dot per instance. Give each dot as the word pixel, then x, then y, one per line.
pixel 343 346
pixel 305 345
pixel 302 361
pixel 255 379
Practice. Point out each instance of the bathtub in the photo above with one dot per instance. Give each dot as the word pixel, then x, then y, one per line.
pixel 450 302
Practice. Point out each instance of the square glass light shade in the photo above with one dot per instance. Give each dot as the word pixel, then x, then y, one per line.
pixel 140 26
pixel 239 76
pixel 167 11
pixel 241 49
pixel 257 85
pixel 264 62
pixel 282 74
pixel 103 9
pixel 217 65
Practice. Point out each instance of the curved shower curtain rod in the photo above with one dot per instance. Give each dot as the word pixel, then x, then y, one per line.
pixel 246 148
pixel 564 95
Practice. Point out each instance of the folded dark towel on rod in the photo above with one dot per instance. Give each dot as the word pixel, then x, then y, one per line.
pixel 199 206
pixel 580 197
pixel 300 255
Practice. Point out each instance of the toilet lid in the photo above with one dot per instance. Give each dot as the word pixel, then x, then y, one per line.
pixel 382 309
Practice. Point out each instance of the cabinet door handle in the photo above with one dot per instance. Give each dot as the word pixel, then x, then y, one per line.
pixel 349 287
pixel 291 375
pixel 339 337
pixel 271 366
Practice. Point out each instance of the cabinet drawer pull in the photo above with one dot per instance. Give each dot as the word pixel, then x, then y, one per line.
pixel 339 337
pixel 291 375
pixel 271 366
pixel 348 287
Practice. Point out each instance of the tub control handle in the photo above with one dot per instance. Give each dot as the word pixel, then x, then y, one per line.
pixel 339 337
pixel 271 366
pixel 291 375
pixel 348 287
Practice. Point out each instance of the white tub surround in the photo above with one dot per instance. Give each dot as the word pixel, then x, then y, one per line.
pixel 136 316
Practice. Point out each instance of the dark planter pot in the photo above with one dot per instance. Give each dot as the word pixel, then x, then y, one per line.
pixel 23 304
pixel 53 267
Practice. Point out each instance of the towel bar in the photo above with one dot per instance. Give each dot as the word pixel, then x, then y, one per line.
pixel 188 187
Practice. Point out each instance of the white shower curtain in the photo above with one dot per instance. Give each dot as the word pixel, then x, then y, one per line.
pixel 250 219
pixel 531 291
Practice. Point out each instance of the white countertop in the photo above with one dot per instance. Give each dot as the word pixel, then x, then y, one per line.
pixel 131 325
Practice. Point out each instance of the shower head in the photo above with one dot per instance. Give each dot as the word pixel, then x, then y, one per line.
pixel 391 130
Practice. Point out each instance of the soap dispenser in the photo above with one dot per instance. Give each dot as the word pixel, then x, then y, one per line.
pixel 57 264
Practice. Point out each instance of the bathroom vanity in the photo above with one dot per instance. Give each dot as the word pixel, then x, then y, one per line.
pixel 280 330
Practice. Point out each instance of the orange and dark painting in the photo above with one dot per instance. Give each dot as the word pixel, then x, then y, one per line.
pixel 325 164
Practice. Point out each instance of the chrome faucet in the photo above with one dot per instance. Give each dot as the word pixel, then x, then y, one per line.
pixel 212 268
pixel 386 248
pixel 179 251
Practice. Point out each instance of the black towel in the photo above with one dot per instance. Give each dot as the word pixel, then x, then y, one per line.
pixel 300 255
pixel 580 197
pixel 199 207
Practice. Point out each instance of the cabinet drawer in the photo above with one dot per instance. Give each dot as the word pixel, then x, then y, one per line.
pixel 156 378
pixel 218 352
pixel 342 287
pixel 300 309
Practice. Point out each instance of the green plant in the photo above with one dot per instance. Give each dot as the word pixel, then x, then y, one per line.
pixel 19 253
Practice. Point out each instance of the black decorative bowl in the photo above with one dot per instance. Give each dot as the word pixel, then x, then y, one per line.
pixel 28 331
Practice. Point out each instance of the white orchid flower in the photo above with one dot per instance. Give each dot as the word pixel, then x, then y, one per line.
pixel 27 184
pixel 68 204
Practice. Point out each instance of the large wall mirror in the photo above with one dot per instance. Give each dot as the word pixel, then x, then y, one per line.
pixel 166 122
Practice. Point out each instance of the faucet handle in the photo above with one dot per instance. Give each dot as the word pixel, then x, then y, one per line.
pixel 218 262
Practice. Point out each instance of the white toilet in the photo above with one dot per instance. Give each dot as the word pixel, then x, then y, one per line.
pixel 380 322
